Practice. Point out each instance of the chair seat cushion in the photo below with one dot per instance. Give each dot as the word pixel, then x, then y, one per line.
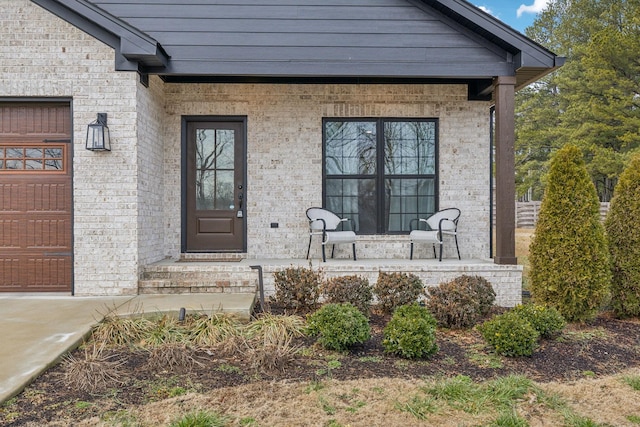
pixel 424 236
pixel 340 237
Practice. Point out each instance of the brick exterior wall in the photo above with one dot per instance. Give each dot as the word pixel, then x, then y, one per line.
pixel 285 157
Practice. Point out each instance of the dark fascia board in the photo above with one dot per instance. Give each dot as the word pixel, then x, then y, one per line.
pixel 527 54
pixel 135 50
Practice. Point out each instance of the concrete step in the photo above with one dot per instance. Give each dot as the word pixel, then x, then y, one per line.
pixel 198 277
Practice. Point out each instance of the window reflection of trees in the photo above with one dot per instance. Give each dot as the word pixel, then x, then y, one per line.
pixel 214 169
pixel 407 154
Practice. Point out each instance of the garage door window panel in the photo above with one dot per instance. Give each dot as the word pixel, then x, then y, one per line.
pixel 32 158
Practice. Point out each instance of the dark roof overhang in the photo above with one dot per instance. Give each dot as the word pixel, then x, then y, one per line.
pixel 135 51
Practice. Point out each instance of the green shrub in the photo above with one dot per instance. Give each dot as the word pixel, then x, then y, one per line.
pixel 546 320
pixel 623 229
pixel 396 289
pixel 569 257
pixel 461 302
pixel 510 335
pixel 297 288
pixel 338 326
pixel 411 332
pixel 352 289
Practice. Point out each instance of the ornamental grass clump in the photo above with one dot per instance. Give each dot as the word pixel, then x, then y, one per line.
pixel 510 335
pixel 569 258
pixel 352 289
pixel 338 326
pixel 396 289
pixel 411 333
pixel 623 230
pixel 461 302
pixel 297 288
pixel 546 320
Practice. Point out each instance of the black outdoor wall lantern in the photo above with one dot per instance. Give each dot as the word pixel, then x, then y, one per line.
pixel 98 134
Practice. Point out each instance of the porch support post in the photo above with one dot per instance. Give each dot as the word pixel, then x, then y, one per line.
pixel 504 96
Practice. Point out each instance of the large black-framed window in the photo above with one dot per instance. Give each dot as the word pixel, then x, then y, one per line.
pixel 380 172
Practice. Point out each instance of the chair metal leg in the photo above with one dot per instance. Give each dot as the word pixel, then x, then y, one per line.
pixel 324 258
pixel 309 247
pixel 354 251
pixel 457 249
pixel 333 250
pixel 434 251
pixel 411 255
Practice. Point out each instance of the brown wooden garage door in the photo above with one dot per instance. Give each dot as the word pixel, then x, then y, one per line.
pixel 35 197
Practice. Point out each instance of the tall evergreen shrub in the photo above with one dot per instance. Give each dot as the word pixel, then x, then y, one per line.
pixel 623 229
pixel 570 268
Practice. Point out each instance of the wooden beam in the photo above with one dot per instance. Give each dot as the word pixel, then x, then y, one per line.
pixel 504 93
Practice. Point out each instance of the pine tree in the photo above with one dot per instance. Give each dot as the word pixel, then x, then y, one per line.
pixel 570 268
pixel 623 229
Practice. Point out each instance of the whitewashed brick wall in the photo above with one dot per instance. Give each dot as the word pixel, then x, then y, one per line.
pixel 43 56
pixel 150 155
pixel 285 157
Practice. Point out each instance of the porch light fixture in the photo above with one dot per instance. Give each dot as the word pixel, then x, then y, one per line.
pixel 98 134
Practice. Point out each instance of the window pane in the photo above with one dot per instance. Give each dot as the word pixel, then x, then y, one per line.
pixel 53 153
pixel 15 164
pixel 33 153
pixel 33 164
pixel 350 148
pixel 53 164
pixel 408 199
pixel 354 199
pixel 14 153
pixel 225 148
pixel 409 148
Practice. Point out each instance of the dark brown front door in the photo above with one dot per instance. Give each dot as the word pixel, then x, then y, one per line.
pixel 35 197
pixel 215 186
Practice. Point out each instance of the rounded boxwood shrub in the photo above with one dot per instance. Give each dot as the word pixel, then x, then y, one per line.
pixel 510 335
pixel 396 289
pixel 461 302
pixel 623 229
pixel 352 289
pixel 546 320
pixel 569 258
pixel 338 326
pixel 411 332
pixel 297 288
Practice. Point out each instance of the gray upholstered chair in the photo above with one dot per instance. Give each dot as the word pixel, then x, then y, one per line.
pixel 442 223
pixel 323 222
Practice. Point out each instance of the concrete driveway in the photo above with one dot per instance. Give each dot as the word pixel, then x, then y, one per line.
pixel 36 330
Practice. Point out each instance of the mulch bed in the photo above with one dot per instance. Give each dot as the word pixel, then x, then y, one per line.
pixel 603 347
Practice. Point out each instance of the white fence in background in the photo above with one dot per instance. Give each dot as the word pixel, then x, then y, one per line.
pixel 527 213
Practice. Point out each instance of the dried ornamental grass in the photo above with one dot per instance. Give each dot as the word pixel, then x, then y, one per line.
pixel 95 372
pixel 170 356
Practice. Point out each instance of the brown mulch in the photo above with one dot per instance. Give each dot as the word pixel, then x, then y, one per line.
pixel 603 347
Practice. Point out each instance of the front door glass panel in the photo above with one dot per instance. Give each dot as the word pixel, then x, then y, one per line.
pixel 214 176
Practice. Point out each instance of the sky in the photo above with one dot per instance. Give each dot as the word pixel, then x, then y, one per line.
pixel 518 14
